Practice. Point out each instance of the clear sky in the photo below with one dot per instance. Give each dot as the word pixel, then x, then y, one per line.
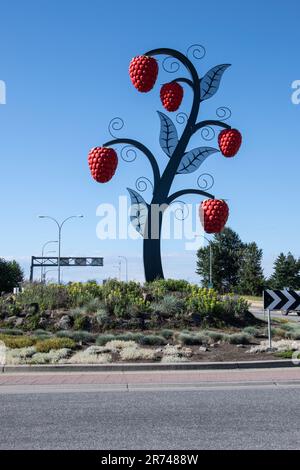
pixel 65 66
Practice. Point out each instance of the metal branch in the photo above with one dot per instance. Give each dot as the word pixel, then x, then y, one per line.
pixel 179 56
pixel 144 150
pixel 184 80
pixel 202 124
pixel 188 191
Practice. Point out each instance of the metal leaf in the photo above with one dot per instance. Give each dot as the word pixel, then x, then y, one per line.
pixel 138 211
pixel 192 160
pixel 211 81
pixel 168 138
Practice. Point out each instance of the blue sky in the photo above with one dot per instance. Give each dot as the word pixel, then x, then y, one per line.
pixel 65 65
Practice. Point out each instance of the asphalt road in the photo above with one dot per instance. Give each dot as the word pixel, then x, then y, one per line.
pixel 257 310
pixel 232 417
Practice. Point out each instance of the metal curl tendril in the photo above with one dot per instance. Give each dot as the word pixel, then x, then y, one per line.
pixel 197 51
pixel 170 65
pixel 224 113
pixel 184 210
pixel 116 124
pixel 142 184
pixel 181 118
pixel 128 154
pixel 205 181
pixel 208 133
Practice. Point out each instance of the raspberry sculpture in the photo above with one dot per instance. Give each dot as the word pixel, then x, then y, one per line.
pixel 230 141
pixel 171 95
pixel 213 214
pixel 103 163
pixel 143 72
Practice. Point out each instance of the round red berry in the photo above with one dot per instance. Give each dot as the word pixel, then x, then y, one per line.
pixel 143 72
pixel 230 141
pixel 171 95
pixel 213 215
pixel 103 163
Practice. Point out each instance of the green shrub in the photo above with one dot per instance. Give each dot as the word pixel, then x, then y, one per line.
pixel 168 334
pixel 93 305
pixel 54 343
pixel 251 330
pixel 103 339
pixel 153 340
pixel 169 306
pixel 82 293
pixel 130 337
pixel 48 297
pixel 214 335
pixel 192 339
pixel 10 331
pixel 238 338
pixel 279 332
pixel 235 311
pixel 16 342
pixel 82 322
pixel 159 288
pixel 82 336
pixel 32 323
pixel 295 335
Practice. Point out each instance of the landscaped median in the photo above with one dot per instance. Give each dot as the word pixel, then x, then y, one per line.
pixel 166 322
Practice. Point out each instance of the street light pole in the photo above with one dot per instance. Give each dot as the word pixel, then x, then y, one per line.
pixel 59 226
pixel 43 248
pixel 126 266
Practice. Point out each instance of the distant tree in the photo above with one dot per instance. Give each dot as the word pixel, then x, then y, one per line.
pixel 286 272
pixel 11 275
pixel 251 279
pixel 226 252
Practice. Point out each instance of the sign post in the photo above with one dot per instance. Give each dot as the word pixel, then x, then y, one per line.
pixel 279 300
pixel 269 329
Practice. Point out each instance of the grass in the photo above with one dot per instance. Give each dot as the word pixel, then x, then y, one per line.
pixel 252 298
pixel 47 345
pixel 16 342
pixel 285 354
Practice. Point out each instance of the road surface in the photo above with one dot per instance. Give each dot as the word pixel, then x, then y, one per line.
pixel 257 309
pixel 256 409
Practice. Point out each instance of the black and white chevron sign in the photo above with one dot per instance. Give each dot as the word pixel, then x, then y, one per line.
pixel 281 300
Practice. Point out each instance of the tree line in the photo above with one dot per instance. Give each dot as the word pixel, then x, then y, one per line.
pixel 11 275
pixel 237 266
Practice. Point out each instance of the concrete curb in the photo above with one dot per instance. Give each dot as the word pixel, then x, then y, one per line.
pixel 144 367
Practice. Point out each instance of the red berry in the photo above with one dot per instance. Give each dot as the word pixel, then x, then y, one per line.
pixel 103 163
pixel 213 215
pixel 143 72
pixel 171 95
pixel 230 141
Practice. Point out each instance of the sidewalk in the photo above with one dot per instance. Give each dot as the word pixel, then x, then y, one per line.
pixel 152 378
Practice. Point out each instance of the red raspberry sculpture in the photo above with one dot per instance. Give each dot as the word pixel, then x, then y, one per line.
pixel 213 214
pixel 143 72
pixel 230 141
pixel 171 95
pixel 103 163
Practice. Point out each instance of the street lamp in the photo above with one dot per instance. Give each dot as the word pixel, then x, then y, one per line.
pixel 119 269
pixel 43 248
pixel 210 258
pixel 126 266
pixel 59 225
